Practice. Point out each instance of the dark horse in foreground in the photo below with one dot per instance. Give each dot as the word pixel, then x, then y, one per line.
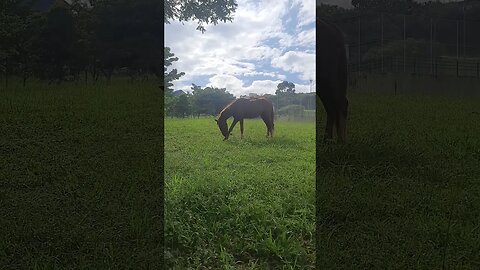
pixel 331 69
pixel 242 108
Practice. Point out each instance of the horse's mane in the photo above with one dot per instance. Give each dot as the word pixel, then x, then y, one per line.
pixel 227 107
pixel 335 27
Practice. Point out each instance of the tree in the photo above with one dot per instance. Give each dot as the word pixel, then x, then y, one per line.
pixel 55 44
pixel 168 78
pixel 128 34
pixel 182 106
pixel 285 87
pixel 19 29
pixel 210 100
pixel 171 75
pixel 203 11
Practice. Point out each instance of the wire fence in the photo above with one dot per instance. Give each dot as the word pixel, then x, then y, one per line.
pixel 417 45
pixel 438 66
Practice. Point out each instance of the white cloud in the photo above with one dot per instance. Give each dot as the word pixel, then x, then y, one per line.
pixel 269 87
pixel 307 12
pixel 263 87
pixel 231 83
pixel 236 87
pixel 306 38
pixel 227 52
pixel 297 61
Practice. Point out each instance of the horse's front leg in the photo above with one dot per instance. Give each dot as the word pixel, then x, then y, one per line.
pixel 232 126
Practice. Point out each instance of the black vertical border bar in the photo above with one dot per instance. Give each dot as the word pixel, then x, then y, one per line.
pixel 318 108
pixel 162 145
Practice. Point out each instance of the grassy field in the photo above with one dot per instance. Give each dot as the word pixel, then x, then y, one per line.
pixel 80 185
pixel 404 192
pixel 80 177
pixel 242 204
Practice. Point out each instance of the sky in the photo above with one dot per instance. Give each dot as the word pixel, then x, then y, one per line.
pixel 268 41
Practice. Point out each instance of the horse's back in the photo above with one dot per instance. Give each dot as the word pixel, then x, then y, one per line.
pixel 251 108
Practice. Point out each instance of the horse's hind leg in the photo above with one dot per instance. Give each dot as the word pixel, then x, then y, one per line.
pixel 241 129
pixel 341 127
pixel 330 108
pixel 265 120
pixel 270 128
pixel 341 121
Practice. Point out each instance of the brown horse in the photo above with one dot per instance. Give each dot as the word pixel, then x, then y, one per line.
pixel 331 69
pixel 242 108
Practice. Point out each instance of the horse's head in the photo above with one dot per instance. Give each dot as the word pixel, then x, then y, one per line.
pixel 222 125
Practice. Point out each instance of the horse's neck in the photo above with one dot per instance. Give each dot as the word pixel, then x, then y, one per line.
pixel 226 114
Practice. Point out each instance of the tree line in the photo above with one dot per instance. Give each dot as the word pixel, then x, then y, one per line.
pixel 58 40
pixel 211 100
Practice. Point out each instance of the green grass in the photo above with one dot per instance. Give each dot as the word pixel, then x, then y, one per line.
pixel 242 204
pixel 80 177
pixel 404 192
pixel 80 185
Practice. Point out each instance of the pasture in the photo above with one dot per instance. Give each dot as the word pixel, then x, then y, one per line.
pixel 80 185
pixel 239 204
pixel 80 176
pixel 404 192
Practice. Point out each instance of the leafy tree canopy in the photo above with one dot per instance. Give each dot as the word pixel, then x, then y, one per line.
pixel 203 11
pixel 173 74
pixel 210 100
pixel 285 87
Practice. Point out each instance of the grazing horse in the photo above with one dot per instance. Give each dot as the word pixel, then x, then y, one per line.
pixel 331 69
pixel 242 108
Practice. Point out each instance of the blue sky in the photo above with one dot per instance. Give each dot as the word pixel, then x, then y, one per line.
pixel 267 42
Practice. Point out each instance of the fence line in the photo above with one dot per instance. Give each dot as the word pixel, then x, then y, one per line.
pixel 417 45
pixel 439 66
